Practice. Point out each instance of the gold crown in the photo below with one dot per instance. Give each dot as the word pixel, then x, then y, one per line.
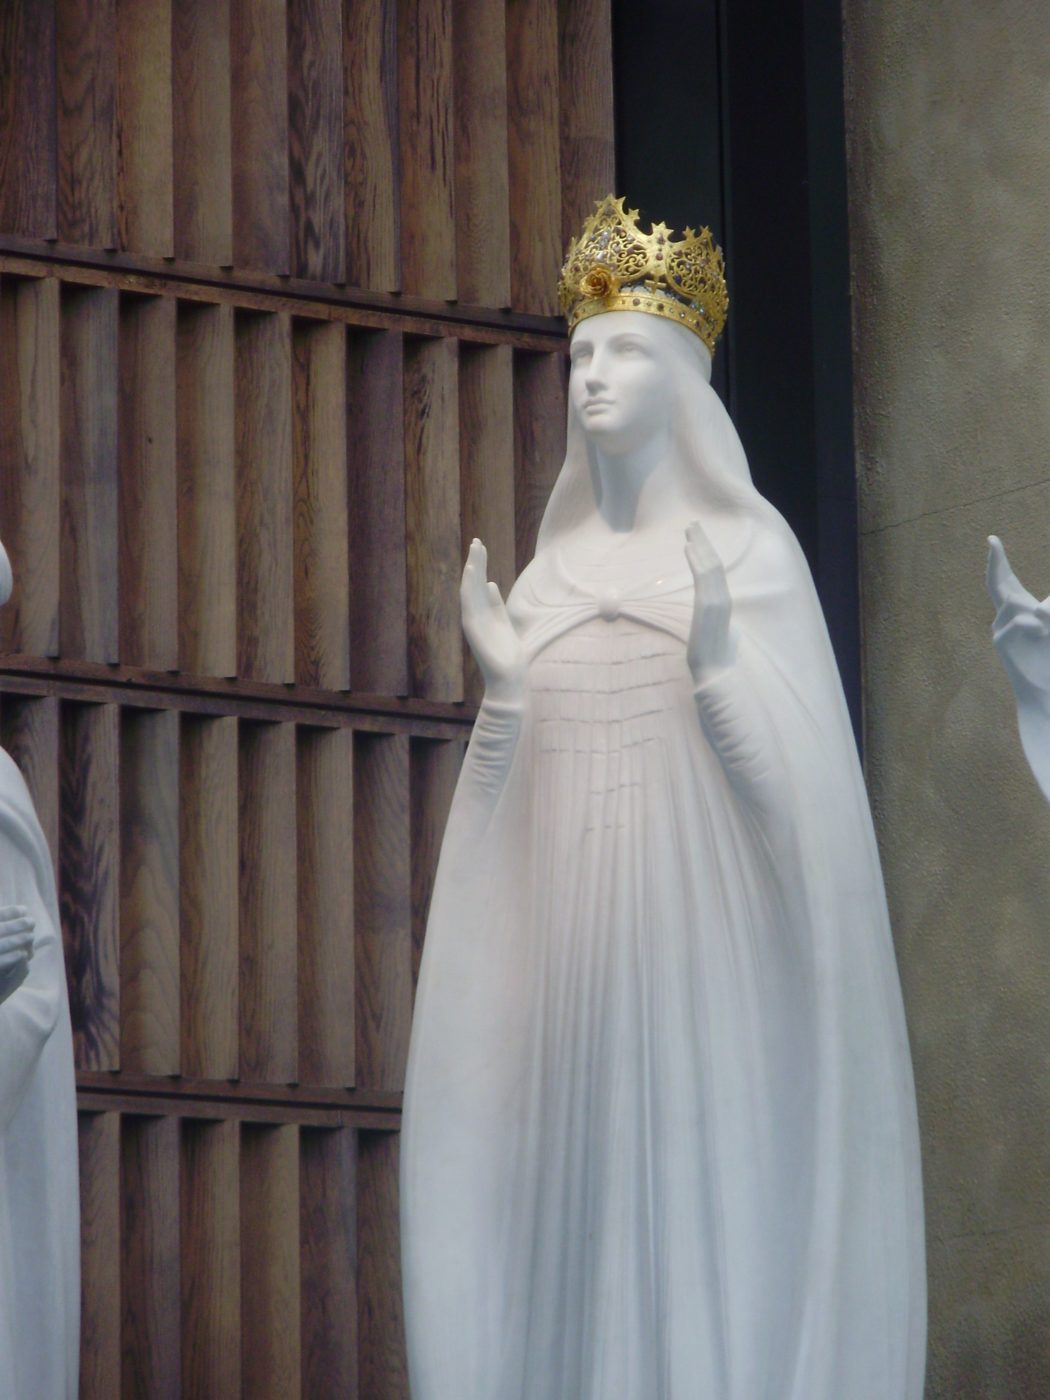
pixel 614 266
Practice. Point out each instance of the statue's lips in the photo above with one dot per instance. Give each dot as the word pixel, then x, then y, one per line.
pixel 597 403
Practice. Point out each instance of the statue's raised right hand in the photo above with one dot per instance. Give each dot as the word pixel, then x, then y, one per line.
pixel 16 947
pixel 496 645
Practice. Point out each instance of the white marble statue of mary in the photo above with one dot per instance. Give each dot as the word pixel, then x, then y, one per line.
pixel 659 1137
pixel 39 1192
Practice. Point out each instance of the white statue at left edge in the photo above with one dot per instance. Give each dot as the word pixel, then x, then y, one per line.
pixel 39 1191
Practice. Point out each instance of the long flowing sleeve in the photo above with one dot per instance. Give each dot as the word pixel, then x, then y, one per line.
pixel 485 768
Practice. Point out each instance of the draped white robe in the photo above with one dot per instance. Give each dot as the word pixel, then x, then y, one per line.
pixel 39 1192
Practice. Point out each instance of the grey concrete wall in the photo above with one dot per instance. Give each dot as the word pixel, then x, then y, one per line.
pixel 948 112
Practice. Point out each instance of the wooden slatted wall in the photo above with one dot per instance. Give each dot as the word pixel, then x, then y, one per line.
pixel 276 340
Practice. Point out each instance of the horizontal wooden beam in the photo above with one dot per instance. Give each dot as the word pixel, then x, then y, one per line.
pixel 92 682
pixel 224 1099
pixel 413 315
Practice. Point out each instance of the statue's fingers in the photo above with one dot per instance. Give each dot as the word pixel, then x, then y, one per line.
pixel 1000 578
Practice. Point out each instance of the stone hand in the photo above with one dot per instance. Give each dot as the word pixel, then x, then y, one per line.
pixel 1021 631
pixel 496 645
pixel 16 948
pixel 710 645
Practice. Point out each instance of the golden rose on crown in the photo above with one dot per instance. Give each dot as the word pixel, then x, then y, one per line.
pixel 614 266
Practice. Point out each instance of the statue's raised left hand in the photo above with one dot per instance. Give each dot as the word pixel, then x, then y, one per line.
pixel 496 645
pixel 16 948
pixel 1021 631
pixel 710 645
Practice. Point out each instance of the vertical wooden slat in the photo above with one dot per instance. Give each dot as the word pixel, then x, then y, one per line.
pixel 382 908
pixel 149 892
pixel 533 139
pixel 207 496
pixel 89 620
pixel 539 441
pixel 267 899
pixel 271 1360
pixel 100 1368
pixel 324 827
pixel 588 149
pixel 482 207
pixel 208 897
pixel 486 456
pixel 202 142
pixel 259 90
pixel 150 1282
pixel 380 1323
pixel 432 514
pixel 28 147
pixel 428 214
pixel 89 846
pixel 322 578
pixel 210 1220
pixel 30 442
pixel 149 596
pixel 86 32
pixel 378 565
pixel 315 130
pixel 435 770
pixel 373 204
pixel 328 1235
pixel 29 731
pixel 145 205
pixel 265 587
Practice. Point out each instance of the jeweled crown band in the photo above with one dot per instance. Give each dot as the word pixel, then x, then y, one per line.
pixel 614 266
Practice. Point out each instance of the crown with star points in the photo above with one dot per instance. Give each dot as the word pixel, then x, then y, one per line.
pixel 614 266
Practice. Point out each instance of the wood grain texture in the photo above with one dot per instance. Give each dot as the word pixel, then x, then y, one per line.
pixel 86 53
pixel 210 1220
pixel 271 1361
pixel 150 1259
pixel 372 144
pixel 100 1359
pixel 533 143
pixel 321 523
pixel 432 514
pixel 202 134
pixel 269 998
pixel 539 442
pixel 588 145
pixel 148 506
pixel 434 773
pixel 208 886
pixel 29 731
pixel 263 450
pixel 145 169
pixel 427 168
pixel 259 132
pixel 206 484
pixel 324 829
pixel 316 162
pixel 481 195
pixel 149 892
pixel 89 574
pixel 89 889
pixel 30 444
pixel 376 474
pixel 380 1316
pixel 28 146
pixel 382 908
pixel 328 1253
pixel 486 467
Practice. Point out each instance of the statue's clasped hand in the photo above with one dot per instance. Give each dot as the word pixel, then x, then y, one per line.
pixel 496 645
pixel 710 646
pixel 16 947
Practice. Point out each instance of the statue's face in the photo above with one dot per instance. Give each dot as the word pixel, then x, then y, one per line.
pixel 619 382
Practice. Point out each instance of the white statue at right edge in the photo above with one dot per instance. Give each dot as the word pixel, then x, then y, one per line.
pixel 659 1136
pixel 39 1187
pixel 1021 633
